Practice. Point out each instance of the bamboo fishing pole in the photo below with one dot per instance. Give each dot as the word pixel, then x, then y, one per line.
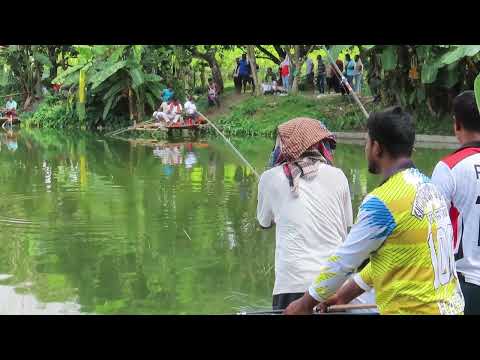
pixel 331 309
pixel 231 145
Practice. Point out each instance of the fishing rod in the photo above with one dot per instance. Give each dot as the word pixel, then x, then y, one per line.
pixel 231 145
pixel 345 83
pixel 330 309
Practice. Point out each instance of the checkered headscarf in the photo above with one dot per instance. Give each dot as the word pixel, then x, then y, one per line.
pixel 301 144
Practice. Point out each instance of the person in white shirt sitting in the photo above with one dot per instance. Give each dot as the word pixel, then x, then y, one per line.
pixel 174 111
pixel 190 109
pixel 158 115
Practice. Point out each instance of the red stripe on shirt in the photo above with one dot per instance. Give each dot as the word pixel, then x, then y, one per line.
pixel 453 159
pixel 454 218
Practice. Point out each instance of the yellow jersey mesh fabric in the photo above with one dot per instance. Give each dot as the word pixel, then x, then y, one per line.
pixel 404 228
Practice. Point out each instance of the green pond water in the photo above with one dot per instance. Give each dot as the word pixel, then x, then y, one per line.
pixel 94 225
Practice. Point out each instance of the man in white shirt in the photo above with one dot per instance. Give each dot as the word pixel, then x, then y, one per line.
pixel 158 115
pixel 308 199
pixel 190 109
pixel 11 110
pixel 457 176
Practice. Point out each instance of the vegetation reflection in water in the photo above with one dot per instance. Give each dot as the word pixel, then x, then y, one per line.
pixel 95 225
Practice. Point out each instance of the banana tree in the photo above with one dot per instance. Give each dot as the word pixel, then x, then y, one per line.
pixel 26 63
pixel 418 76
pixel 115 74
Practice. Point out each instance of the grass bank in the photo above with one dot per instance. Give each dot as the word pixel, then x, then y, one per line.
pixel 260 116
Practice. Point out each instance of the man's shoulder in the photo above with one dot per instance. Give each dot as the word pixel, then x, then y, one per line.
pixel 455 158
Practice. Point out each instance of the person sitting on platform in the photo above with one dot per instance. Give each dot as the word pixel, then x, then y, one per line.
pixel 174 111
pixel 190 110
pixel 10 110
pixel 158 115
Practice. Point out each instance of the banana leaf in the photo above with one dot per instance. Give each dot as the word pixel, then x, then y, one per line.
pixel 62 76
pixel 98 78
pixel 137 77
pixel 389 58
pixel 459 52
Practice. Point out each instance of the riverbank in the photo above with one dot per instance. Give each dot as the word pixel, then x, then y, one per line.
pixel 260 116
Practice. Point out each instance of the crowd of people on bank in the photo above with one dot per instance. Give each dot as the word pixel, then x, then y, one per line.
pixel 327 78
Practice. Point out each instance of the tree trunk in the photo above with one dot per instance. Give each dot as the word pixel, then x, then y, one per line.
pixel 299 57
pixel 202 77
pixel 210 58
pixel 130 106
pixel 253 66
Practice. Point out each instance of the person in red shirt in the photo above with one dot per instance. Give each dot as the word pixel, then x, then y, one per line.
pixel 285 72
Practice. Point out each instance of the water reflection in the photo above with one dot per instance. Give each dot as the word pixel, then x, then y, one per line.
pixel 141 226
pixel 9 140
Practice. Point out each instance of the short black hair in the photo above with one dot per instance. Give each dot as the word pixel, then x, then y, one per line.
pixel 210 79
pixel 466 111
pixel 347 56
pixel 393 129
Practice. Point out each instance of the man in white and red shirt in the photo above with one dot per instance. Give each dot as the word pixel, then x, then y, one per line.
pixel 457 176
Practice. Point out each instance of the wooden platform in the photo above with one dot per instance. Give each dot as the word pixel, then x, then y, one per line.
pixel 16 120
pixel 170 127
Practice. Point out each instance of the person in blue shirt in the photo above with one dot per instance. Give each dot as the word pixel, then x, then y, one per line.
pixel 349 69
pixel 167 93
pixel 244 71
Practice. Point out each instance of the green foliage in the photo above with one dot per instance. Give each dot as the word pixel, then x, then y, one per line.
pixel 477 91
pixel 52 112
pixel 262 115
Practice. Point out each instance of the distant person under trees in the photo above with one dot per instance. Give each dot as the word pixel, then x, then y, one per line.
pixel 168 92
pixel 350 69
pixel 244 72
pixel 213 93
pixel 309 73
pixel 237 81
pixel 10 110
pixel 357 77
pixel 321 73
pixel 267 86
pixel 330 77
pixel 285 72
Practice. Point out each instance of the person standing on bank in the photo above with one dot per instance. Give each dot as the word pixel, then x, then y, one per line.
pixel 285 72
pixel 308 201
pixel 402 228
pixel 309 72
pixel 349 69
pixel 357 77
pixel 321 75
pixel 457 177
pixel 244 72
pixel 236 76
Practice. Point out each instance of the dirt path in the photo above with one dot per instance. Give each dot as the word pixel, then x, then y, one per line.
pixel 227 101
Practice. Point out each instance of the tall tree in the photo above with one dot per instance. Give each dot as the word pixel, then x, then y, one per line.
pixel 208 54
pixel 253 67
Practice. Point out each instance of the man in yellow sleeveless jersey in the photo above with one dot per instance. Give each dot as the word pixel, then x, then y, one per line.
pixel 403 228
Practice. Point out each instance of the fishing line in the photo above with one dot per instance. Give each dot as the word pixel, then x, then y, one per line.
pixel 231 145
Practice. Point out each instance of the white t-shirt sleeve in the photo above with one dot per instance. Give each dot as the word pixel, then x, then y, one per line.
pixel 347 205
pixel 264 206
pixel 443 179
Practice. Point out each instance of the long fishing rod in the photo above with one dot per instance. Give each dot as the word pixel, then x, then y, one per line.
pixel 231 145
pixel 330 309
pixel 346 83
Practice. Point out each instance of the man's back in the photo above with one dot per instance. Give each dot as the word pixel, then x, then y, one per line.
pixel 308 227
pixel 458 178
